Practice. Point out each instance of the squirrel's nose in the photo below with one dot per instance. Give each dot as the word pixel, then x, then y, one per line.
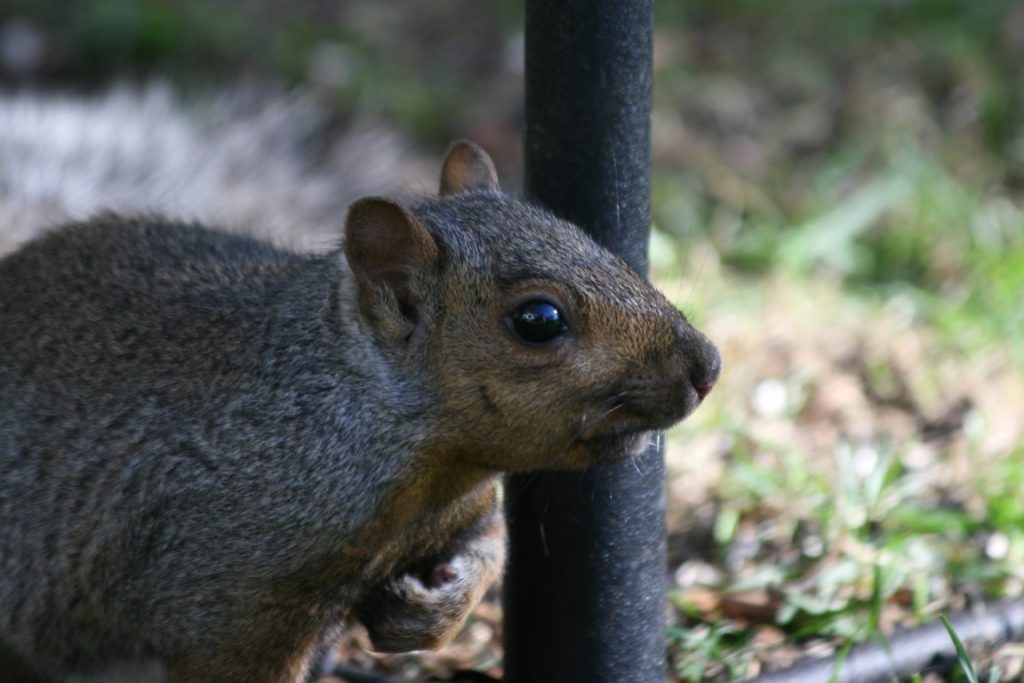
pixel 706 370
pixel 703 390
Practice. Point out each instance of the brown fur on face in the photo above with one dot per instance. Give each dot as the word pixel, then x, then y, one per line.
pixel 628 364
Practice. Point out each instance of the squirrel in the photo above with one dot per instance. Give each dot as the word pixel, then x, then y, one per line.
pixel 215 452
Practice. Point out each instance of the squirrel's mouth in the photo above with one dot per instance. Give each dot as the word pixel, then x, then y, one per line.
pixel 618 433
pixel 605 448
pixel 621 419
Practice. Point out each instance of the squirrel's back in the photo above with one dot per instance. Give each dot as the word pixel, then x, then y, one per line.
pixel 136 287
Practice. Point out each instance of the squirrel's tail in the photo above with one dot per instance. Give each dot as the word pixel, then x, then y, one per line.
pixel 269 166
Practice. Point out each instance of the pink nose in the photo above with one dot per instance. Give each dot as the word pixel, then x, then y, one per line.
pixel 703 389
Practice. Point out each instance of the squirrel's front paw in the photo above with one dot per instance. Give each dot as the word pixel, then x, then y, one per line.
pixel 423 609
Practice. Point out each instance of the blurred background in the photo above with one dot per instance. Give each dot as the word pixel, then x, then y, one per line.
pixel 837 192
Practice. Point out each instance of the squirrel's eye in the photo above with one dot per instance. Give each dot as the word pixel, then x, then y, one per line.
pixel 538 321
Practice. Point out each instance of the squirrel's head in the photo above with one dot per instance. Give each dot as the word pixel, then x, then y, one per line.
pixel 544 349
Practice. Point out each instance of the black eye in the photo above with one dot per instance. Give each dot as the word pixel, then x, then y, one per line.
pixel 538 321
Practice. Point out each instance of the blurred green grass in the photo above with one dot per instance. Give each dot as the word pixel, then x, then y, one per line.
pixel 881 143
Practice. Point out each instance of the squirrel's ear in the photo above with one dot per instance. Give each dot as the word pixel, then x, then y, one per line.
pixel 466 168
pixel 389 251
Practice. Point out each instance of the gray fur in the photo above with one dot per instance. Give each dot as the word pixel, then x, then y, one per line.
pixel 157 381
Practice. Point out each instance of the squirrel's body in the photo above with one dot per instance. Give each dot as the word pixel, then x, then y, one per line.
pixel 196 356
pixel 212 451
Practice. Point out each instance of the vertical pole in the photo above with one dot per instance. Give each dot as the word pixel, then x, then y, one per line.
pixel 585 590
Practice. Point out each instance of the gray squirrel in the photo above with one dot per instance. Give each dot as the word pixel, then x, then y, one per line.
pixel 215 452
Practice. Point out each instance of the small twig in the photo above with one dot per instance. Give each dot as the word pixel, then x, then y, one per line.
pixel 902 399
pixel 911 651
pixel 353 674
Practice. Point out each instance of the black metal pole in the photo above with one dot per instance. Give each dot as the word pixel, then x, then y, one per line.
pixel 585 589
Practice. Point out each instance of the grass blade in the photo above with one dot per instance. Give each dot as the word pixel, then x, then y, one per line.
pixel 961 651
